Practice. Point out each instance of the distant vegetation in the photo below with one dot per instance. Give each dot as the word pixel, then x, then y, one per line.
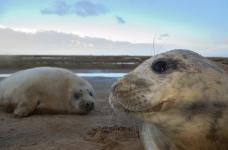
pixel 79 62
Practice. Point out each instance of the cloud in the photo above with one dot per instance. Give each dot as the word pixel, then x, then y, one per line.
pixel 87 8
pixel 226 41
pixel 60 8
pixel 164 35
pixel 20 41
pixel 51 42
pixel 81 8
pixel 120 20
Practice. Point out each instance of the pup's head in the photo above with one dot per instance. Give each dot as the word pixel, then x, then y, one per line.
pixel 82 97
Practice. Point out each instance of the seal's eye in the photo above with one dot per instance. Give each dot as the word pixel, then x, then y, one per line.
pixel 160 66
pixel 77 95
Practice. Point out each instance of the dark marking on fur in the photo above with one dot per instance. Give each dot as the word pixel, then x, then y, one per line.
pixel 202 107
pixel 184 56
pixel 219 82
pixel 142 83
pixel 38 103
pixel 180 147
pixel 220 105
pixel 198 105
pixel 213 109
pixel 214 125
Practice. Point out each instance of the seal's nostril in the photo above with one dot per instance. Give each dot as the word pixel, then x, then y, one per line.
pixel 89 105
pixel 119 86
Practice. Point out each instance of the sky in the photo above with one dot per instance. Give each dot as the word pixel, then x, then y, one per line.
pixel 129 27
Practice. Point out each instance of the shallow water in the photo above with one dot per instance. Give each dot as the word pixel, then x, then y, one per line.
pixel 97 74
pixel 111 75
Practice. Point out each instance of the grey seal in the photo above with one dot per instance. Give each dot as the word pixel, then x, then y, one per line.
pixel 182 98
pixel 46 90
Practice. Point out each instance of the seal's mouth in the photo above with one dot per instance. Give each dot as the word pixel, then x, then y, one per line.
pixel 118 106
pixel 132 94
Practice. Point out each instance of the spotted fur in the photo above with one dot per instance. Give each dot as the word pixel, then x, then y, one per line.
pixel 184 107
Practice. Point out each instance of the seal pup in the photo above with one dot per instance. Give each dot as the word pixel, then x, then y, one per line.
pixel 182 98
pixel 46 90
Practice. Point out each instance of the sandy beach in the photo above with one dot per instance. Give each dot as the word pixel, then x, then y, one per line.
pixel 102 129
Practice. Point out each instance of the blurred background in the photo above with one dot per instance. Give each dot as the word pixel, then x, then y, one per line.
pixel 114 27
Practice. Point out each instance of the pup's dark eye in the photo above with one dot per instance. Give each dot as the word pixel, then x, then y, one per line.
pixel 160 66
pixel 77 95
pixel 90 93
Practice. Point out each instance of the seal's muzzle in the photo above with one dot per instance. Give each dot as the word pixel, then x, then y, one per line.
pixel 130 92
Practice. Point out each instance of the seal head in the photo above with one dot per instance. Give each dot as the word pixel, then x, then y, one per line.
pixel 182 95
pixel 82 97
pixel 175 77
